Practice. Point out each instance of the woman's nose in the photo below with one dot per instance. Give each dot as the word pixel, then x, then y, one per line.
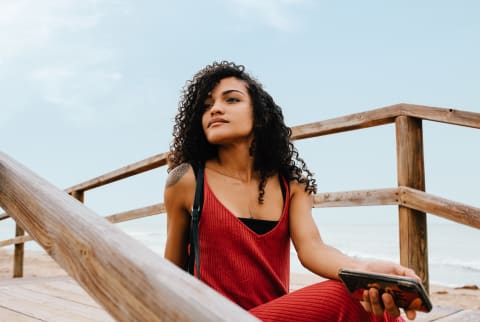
pixel 216 108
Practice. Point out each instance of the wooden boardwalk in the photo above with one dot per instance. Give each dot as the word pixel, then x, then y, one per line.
pixel 62 299
pixel 47 299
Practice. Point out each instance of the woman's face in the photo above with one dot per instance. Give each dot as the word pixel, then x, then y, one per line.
pixel 228 114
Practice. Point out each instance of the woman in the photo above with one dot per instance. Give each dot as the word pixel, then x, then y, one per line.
pixel 257 197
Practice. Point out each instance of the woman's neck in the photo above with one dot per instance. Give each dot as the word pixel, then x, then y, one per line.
pixel 234 163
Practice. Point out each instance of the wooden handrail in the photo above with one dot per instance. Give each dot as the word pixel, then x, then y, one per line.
pixel 130 281
pixel 441 115
pixel 137 213
pixel 350 122
pixel 147 164
pixel 385 115
pixel 413 203
pixel 452 210
pixel 15 241
pixel 404 196
pixel 356 198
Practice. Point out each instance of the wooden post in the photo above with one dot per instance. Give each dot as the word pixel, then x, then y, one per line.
pixel 411 173
pixel 79 195
pixel 18 253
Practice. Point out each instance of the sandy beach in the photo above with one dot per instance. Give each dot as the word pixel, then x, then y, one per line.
pixel 38 263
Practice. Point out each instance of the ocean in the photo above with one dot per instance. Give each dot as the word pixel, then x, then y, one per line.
pixel 372 232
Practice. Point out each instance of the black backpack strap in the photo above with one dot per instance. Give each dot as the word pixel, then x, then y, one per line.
pixel 194 258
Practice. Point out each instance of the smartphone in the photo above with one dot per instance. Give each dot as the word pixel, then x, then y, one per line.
pixel 408 293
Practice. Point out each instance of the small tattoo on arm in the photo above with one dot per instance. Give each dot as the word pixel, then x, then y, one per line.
pixel 177 174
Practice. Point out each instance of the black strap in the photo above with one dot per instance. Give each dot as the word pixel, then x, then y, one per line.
pixel 282 186
pixel 194 258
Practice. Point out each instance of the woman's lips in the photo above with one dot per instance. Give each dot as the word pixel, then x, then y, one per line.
pixel 216 120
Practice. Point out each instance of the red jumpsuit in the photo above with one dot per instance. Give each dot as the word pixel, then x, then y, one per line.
pixel 253 270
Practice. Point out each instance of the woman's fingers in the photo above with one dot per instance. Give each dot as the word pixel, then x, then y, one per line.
pixel 375 302
pixel 390 305
pixel 366 301
pixel 411 314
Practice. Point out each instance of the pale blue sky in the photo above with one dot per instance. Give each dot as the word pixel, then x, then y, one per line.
pixel 90 86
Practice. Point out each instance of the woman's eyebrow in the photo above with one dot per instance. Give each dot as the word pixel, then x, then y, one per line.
pixel 228 91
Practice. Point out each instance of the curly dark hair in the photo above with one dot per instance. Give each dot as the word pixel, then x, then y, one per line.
pixel 272 150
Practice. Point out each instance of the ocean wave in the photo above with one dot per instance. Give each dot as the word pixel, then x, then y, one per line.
pixel 451 262
pixel 473 266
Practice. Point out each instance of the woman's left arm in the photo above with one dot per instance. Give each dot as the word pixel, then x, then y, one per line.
pixel 325 260
pixel 313 253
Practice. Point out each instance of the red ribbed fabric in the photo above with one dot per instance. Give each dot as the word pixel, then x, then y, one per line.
pixel 327 301
pixel 248 268
pixel 254 270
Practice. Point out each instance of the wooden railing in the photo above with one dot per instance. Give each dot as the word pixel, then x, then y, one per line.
pixel 128 279
pixel 409 195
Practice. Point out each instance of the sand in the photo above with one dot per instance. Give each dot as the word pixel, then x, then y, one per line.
pixel 40 264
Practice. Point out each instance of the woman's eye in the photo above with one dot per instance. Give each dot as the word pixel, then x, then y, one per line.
pixel 232 100
pixel 207 106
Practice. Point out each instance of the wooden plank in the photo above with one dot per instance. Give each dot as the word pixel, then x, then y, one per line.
pixel 48 308
pixel 32 280
pixel 385 115
pixel 443 115
pixel 150 163
pixel 455 211
pixel 137 213
pixel 377 197
pixel 14 241
pixel 66 289
pixel 79 195
pixel 462 316
pixel 4 216
pixel 115 218
pixel 131 281
pixel 411 173
pixel 9 315
pixel 18 253
pixel 351 122
pixel 437 313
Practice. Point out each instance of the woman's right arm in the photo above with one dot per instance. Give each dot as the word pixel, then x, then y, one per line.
pixel 178 199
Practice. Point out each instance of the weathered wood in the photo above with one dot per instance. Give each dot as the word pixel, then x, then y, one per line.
pixel 385 115
pixel 377 197
pixel 455 211
pixel 404 196
pixel 437 313
pixel 442 115
pixel 115 218
pixel 129 280
pixel 18 253
pixel 412 223
pixel 9 315
pixel 49 308
pixel 466 316
pixel 153 162
pixel 15 241
pixel 137 213
pixel 63 287
pixel 79 195
pixel 351 122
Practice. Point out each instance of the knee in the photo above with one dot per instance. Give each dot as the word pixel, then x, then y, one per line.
pixel 336 291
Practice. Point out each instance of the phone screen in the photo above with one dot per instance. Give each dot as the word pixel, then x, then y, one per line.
pixel 408 293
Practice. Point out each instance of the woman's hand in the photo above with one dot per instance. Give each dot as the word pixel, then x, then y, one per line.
pixel 372 302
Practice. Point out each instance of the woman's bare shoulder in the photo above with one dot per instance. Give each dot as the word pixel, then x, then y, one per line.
pixel 177 174
pixel 296 186
pixel 180 177
pixel 179 188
